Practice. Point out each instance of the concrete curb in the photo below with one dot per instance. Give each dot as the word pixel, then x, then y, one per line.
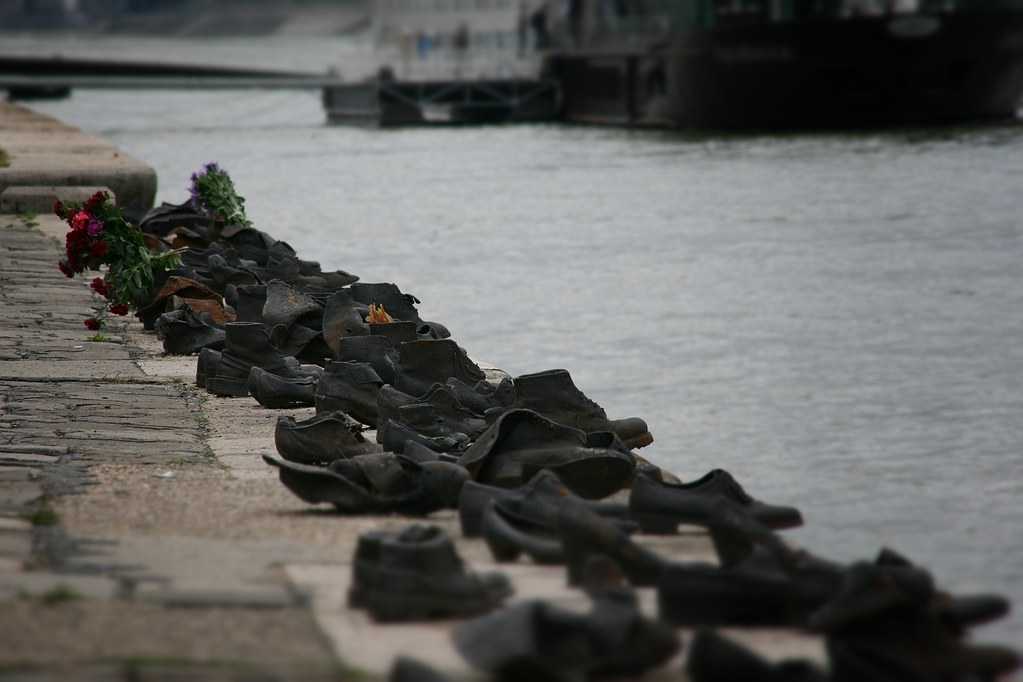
pixel 44 152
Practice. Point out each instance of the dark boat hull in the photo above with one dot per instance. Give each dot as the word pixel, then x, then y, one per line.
pixel 878 71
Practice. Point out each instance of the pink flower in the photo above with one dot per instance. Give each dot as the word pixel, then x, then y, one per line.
pixel 94 228
pixel 80 220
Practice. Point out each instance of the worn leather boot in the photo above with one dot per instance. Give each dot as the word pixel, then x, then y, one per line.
pixel 416 574
pixel 553 394
pixel 184 333
pixel 425 363
pixel 521 443
pixel 350 387
pixel 713 658
pixel 374 484
pixel 247 345
pixel 285 305
pixel 537 640
pixel 321 439
pixel 475 497
pixel 377 351
pixel 342 317
pixel 277 392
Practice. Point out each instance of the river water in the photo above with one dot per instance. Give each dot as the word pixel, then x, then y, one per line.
pixel 834 318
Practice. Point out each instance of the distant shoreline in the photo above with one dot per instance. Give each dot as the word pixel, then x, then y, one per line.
pixel 213 20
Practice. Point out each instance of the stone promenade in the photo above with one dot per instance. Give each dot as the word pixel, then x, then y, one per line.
pixel 143 538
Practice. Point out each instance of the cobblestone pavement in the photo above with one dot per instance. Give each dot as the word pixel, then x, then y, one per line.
pixel 143 534
pixel 112 566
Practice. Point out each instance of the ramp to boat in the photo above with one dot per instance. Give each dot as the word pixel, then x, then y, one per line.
pixel 386 102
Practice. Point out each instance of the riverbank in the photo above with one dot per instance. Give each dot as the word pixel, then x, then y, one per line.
pixel 140 522
pixel 180 518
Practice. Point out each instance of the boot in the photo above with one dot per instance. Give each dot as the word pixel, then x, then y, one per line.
pixel 553 394
pixel 374 484
pixel 377 351
pixel 321 439
pixel 247 345
pixel 536 640
pixel 277 392
pixel 342 317
pixel 250 300
pixel 416 574
pixel 184 333
pixel 713 658
pixel 475 497
pixel 350 387
pixel 425 363
pixel 521 443
pixel 285 305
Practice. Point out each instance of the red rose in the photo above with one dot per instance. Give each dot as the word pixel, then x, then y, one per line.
pixel 95 201
pixel 66 268
pixel 99 286
pixel 80 221
pixel 99 249
pixel 58 208
pixel 92 324
pixel 119 309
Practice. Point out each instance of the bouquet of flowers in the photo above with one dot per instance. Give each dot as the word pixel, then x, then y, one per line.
pixel 99 236
pixel 212 190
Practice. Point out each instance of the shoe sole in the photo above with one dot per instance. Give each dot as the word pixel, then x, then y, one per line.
pixel 227 388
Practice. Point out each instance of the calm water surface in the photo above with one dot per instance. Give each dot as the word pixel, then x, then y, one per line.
pixel 836 319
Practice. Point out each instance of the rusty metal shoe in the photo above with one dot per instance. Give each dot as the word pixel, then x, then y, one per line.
pixel 247 344
pixel 183 332
pixel 553 394
pixel 285 304
pixel 425 363
pixel 321 439
pixel 206 365
pixel 536 640
pixel 350 387
pixel 277 392
pixel 374 484
pixel 521 443
pixel 415 574
pixel 475 497
pixel 407 669
pixel 659 506
pixel 342 317
pixel 713 658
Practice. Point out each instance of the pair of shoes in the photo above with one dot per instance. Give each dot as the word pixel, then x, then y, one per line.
pixel 536 640
pixel 416 574
pixel 526 520
pixel 553 394
pixel 321 439
pixel 476 496
pixel 435 419
pixel 375 484
pixel 522 442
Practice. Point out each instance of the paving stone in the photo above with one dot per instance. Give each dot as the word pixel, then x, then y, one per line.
pixel 43 450
pixel 15 543
pixel 38 584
